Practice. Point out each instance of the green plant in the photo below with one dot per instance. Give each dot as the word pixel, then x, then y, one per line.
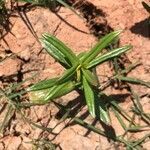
pixel 79 74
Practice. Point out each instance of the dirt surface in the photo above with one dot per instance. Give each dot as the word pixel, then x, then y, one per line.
pixel 24 57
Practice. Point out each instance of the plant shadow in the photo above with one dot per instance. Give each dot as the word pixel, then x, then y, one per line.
pixel 74 106
pixel 22 12
pixel 77 104
pixel 95 17
pixel 142 28
pixel 5 24
pixel 119 98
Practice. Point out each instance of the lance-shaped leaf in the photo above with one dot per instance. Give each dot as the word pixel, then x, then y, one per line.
pixel 39 95
pixel 68 74
pixel 104 42
pixel 103 115
pixel 60 46
pixel 60 90
pixel 46 95
pixel 43 84
pixel 89 96
pixel 81 55
pixel 101 108
pixel 54 52
pixel 90 77
pixel 107 56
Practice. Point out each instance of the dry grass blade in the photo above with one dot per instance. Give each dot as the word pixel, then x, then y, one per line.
pixel 99 131
pixel 116 106
pixel 133 81
pixel 141 140
pixel 69 7
pixel 138 109
pixel 119 119
pixel 8 116
pixel 136 100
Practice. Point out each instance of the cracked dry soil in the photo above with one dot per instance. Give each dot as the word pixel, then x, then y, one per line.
pixel 80 35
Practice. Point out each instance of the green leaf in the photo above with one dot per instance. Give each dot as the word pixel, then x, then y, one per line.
pixel 108 55
pixel 68 74
pixel 89 96
pixel 104 116
pixel 62 89
pixel 54 52
pixel 101 109
pixel 61 47
pixel 146 6
pixel 90 77
pixel 46 95
pixel 39 95
pixel 104 42
pixel 81 55
pixel 43 84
